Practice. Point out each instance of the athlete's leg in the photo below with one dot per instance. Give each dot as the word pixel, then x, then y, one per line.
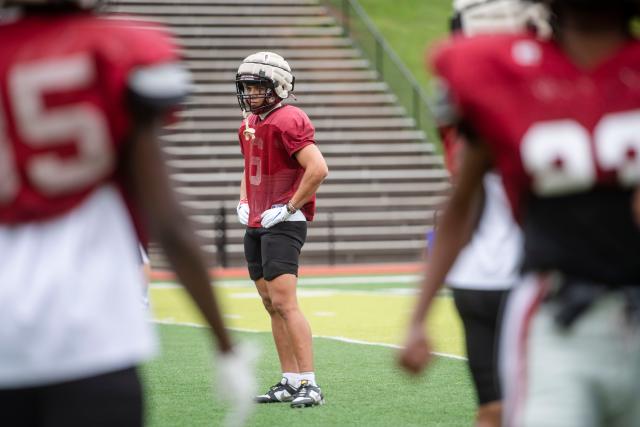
pixel 618 368
pixel 489 414
pixel 558 386
pixel 282 292
pixel 479 311
pixel 286 355
pixel 286 388
pixel 280 248
pixel 285 302
pixel 280 252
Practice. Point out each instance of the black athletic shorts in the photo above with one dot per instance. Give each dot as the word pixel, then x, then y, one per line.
pixel 273 251
pixel 107 400
pixel 481 314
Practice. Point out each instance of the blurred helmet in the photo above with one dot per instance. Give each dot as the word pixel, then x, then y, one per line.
pixel 499 16
pixel 268 70
pixel 593 3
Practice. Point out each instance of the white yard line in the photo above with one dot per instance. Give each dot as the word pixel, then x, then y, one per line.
pixel 341 339
pixel 324 314
pixel 326 293
pixel 391 291
pixel 311 281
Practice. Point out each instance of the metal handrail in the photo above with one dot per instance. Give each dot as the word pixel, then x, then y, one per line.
pixel 350 14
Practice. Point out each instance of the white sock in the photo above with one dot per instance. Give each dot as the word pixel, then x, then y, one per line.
pixel 309 376
pixel 292 378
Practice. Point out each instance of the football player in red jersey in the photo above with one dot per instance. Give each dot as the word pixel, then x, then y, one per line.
pixel 283 168
pixel 488 266
pixel 567 147
pixel 82 99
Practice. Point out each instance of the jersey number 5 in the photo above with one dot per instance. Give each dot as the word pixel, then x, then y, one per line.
pixel 40 127
pixel 560 157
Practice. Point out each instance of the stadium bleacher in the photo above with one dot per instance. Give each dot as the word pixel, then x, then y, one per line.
pixel 385 178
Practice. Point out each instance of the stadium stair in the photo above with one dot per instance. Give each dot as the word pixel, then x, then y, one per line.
pixel 385 179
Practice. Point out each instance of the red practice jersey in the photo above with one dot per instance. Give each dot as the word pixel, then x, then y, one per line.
pixel 64 115
pixel 566 141
pixel 272 173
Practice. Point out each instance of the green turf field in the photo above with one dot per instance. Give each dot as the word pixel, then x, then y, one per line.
pixel 360 309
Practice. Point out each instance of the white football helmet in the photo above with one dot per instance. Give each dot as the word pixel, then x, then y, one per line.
pixel 267 69
pixel 499 16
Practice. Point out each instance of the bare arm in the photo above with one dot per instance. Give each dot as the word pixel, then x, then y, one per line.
pixel 454 231
pixel 315 171
pixel 243 187
pixel 148 181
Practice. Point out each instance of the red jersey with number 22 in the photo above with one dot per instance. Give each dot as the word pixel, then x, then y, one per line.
pixel 272 173
pixel 63 108
pixel 553 128
pixel 566 141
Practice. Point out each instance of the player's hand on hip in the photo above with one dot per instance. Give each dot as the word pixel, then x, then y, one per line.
pixel 416 353
pixel 243 212
pixel 236 382
pixel 273 216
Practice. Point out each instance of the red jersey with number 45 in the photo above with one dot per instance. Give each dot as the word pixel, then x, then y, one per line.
pixel 566 141
pixel 63 107
pixel 272 173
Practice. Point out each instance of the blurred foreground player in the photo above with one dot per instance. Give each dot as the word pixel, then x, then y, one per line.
pixel 82 99
pixel 567 149
pixel 488 266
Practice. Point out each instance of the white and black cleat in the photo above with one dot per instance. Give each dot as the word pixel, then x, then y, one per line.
pixel 281 392
pixel 307 395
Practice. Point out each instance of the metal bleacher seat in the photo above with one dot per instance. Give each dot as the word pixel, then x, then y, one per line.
pixel 385 178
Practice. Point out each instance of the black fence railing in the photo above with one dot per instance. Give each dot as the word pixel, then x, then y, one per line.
pixel 221 238
pixel 360 29
pixel 220 227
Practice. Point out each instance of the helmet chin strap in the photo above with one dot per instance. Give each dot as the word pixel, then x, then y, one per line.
pixel 248 132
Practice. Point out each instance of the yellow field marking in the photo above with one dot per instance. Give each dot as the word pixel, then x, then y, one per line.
pixel 362 316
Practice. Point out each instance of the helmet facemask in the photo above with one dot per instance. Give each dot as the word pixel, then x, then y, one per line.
pixel 266 92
